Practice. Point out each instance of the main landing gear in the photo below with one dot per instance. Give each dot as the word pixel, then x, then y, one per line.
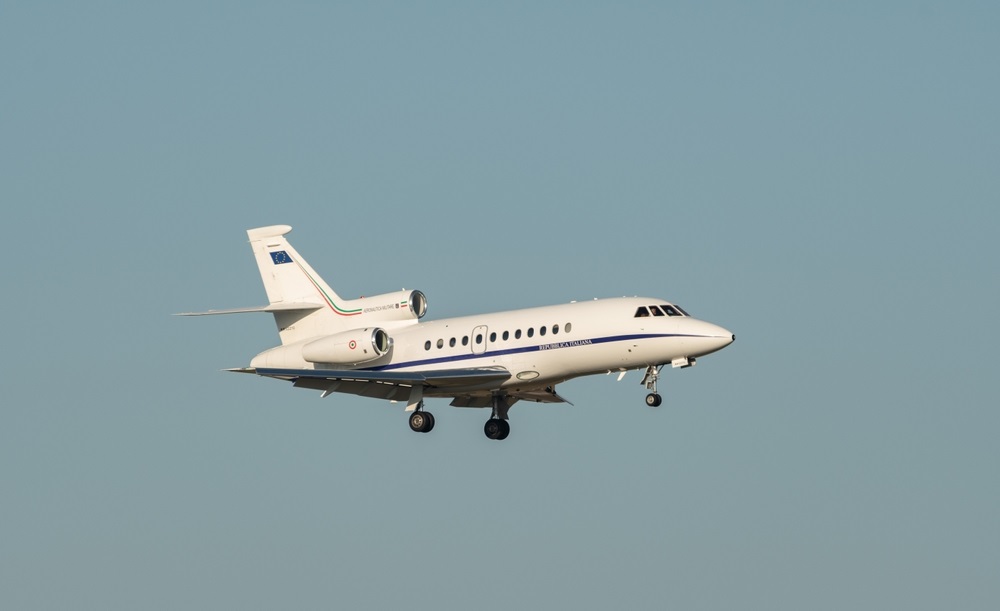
pixel 421 421
pixel 497 426
pixel 653 399
pixel 497 429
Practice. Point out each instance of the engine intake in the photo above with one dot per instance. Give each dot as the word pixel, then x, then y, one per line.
pixel 349 348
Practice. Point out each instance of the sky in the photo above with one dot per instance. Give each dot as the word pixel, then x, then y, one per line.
pixel 820 178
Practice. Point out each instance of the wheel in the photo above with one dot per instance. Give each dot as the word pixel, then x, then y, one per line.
pixel 653 400
pixel 419 422
pixel 430 422
pixel 504 429
pixel 493 428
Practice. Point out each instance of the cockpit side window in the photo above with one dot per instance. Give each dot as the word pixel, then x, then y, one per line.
pixel 673 310
pixel 681 310
pixel 642 312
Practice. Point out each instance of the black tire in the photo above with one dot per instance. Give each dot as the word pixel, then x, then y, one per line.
pixel 493 428
pixel 504 429
pixel 430 422
pixel 653 400
pixel 418 422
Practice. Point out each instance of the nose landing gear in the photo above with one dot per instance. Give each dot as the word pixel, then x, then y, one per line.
pixel 653 399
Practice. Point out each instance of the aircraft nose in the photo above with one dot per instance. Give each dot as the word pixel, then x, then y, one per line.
pixel 722 335
pixel 713 337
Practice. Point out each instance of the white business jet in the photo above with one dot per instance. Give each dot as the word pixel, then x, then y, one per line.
pixel 379 347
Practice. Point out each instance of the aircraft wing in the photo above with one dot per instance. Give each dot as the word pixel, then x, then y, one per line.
pixel 543 395
pixel 538 395
pixel 393 385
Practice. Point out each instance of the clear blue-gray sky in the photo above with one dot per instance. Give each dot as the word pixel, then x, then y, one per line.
pixel 821 178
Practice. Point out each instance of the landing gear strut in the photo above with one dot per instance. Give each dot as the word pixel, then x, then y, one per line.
pixel 421 421
pixel 653 399
pixel 497 426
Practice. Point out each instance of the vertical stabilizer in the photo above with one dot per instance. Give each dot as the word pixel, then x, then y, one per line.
pixel 304 306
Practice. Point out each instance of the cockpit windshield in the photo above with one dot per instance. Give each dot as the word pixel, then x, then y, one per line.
pixel 660 310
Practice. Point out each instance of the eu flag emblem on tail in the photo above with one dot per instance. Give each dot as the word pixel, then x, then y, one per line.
pixel 280 257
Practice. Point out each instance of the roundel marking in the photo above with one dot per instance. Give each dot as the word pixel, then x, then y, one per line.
pixel 352 344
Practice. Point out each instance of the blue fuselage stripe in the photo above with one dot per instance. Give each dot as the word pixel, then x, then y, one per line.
pixel 455 358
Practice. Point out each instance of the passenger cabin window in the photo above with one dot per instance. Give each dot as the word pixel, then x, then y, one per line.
pixel 451 342
pixel 642 312
pixel 541 331
pixel 465 340
pixel 555 329
pixel 517 334
pixel 531 332
pixel 506 335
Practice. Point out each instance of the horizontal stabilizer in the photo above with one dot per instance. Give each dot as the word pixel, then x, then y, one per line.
pixel 274 307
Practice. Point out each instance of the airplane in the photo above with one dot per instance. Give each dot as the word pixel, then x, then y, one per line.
pixel 380 347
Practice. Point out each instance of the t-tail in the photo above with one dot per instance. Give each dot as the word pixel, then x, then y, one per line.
pixel 303 304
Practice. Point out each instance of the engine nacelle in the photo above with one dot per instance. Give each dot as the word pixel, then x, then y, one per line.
pixel 401 305
pixel 348 348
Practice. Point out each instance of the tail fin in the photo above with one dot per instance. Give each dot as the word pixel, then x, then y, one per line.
pixel 303 304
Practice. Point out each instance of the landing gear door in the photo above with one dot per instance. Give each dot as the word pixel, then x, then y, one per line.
pixel 479 339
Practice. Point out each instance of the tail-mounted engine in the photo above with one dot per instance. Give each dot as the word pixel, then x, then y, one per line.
pixel 401 305
pixel 348 348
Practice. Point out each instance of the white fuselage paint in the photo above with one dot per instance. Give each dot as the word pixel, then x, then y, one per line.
pixel 593 337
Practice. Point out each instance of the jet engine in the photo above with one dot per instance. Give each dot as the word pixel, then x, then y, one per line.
pixel 348 348
pixel 401 305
